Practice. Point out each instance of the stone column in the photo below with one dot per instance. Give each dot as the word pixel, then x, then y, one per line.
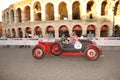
pixel 84 30
pixel 56 34
pixel 22 16
pixel 56 14
pixel 110 31
pixel 83 13
pixel 69 8
pixel 32 31
pixel 32 15
pixel 15 17
pixel 43 13
pixel 16 30
pixel 98 8
pixel 23 30
pixel 97 32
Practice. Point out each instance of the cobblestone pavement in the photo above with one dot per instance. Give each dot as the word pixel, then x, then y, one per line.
pixel 19 64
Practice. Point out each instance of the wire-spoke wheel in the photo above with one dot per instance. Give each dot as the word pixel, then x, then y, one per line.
pixel 91 53
pixel 56 49
pixel 38 52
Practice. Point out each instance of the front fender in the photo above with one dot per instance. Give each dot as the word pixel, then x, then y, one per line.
pixel 94 46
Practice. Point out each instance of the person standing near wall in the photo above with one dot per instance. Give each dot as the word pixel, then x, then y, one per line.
pixel 90 36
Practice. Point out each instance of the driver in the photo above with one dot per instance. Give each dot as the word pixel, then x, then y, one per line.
pixel 74 38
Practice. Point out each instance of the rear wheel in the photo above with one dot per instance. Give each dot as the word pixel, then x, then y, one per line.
pixel 91 54
pixel 38 52
pixel 56 49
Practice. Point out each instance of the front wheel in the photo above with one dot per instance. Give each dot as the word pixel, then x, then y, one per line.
pixel 91 54
pixel 38 52
pixel 56 49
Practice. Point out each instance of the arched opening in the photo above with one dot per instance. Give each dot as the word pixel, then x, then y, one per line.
pixel 63 31
pixel 27 13
pixel 28 33
pixel 91 29
pixel 37 11
pixel 78 30
pixel 104 9
pixel 12 16
pixel 76 10
pixel 7 17
pixel 49 11
pixel 90 9
pixel 18 15
pixel 8 35
pixel 63 12
pixel 20 33
pixel 13 33
pixel 50 30
pixel 5 32
pixel 38 31
pixel 28 30
pixel 117 31
pixel 89 6
pixel 4 18
pixel 117 8
pixel 104 31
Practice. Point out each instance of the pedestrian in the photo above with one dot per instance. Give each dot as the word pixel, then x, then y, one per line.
pixel 90 36
pixel 20 36
pixel 27 35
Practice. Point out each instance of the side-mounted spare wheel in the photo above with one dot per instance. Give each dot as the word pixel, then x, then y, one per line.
pixel 91 53
pixel 56 49
pixel 38 52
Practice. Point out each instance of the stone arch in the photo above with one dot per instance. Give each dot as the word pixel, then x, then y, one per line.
pixel 117 31
pixel 91 28
pixel 8 35
pixel 89 6
pixel 63 12
pixel 7 17
pixel 76 10
pixel 28 30
pixel 27 13
pixel 38 31
pixel 13 33
pixel 117 8
pixel 91 9
pixel 19 15
pixel 64 31
pixel 49 9
pixel 20 32
pixel 78 30
pixel 104 31
pixel 12 16
pixel 104 8
pixel 3 16
pixel 50 29
pixel 37 11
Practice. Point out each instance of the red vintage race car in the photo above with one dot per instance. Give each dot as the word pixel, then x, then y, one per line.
pixel 85 48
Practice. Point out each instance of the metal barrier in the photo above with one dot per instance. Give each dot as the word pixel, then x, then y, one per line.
pixel 33 41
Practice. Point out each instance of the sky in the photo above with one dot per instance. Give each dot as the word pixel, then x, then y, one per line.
pixel 5 4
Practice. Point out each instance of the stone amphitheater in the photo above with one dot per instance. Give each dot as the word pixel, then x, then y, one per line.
pixel 38 17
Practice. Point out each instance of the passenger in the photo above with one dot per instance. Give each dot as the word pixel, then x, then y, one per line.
pixel 74 38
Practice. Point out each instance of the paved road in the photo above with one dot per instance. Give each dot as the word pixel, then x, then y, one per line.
pixel 18 64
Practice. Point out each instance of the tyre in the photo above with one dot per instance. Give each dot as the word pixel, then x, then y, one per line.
pixel 91 54
pixel 56 49
pixel 38 52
